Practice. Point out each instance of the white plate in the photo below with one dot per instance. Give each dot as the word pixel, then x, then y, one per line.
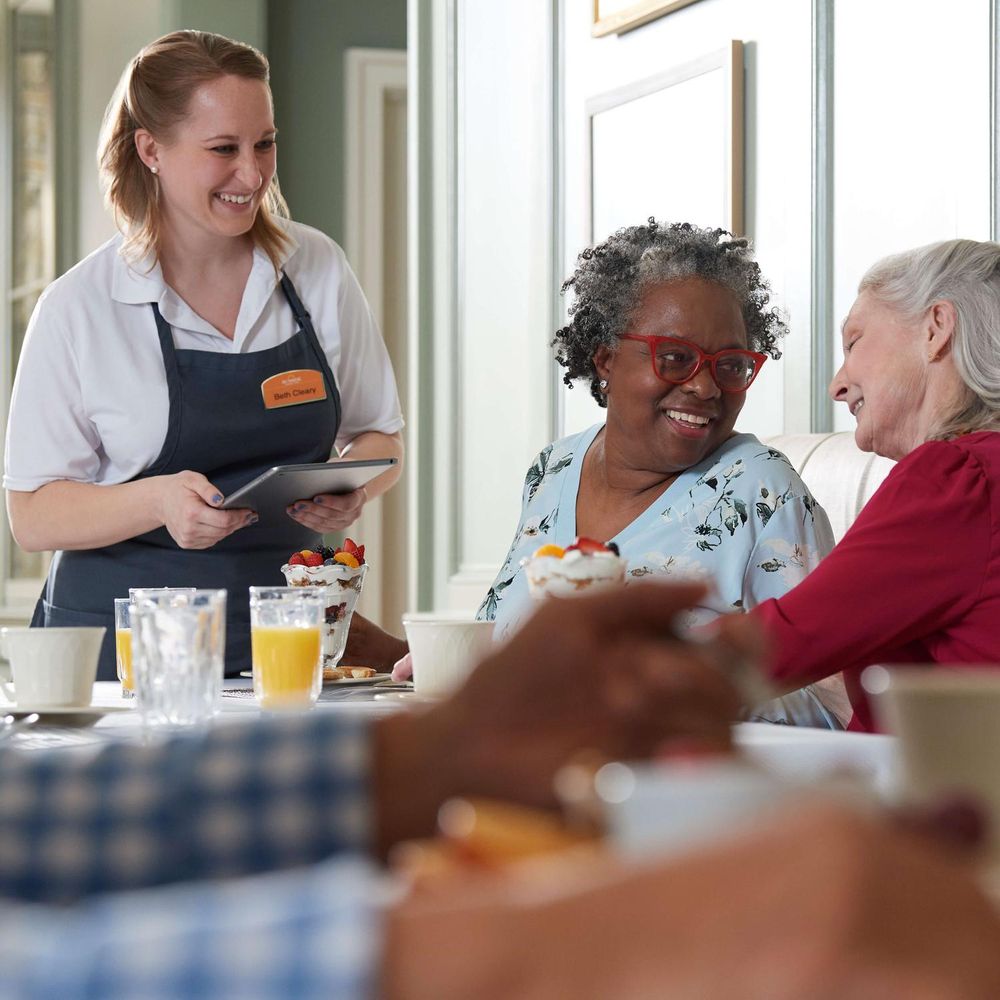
pixel 375 679
pixel 83 715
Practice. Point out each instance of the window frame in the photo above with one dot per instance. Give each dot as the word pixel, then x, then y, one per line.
pixel 18 595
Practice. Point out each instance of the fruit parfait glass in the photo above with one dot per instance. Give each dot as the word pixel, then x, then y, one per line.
pixel 553 571
pixel 341 571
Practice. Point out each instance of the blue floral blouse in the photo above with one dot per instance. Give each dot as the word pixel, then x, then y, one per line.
pixel 742 519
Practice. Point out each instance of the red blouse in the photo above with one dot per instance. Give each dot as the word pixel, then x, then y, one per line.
pixel 916 579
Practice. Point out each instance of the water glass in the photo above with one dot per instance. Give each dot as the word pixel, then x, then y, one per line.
pixel 123 645
pixel 178 654
pixel 286 625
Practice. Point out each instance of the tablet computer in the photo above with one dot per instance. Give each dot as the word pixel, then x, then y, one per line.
pixel 281 485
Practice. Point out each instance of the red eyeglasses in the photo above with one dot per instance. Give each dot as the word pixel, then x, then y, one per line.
pixel 676 361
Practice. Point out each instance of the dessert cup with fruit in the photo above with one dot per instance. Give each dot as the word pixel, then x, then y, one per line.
pixel 342 572
pixel 553 571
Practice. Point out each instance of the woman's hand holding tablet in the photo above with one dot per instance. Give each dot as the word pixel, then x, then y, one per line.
pixel 273 491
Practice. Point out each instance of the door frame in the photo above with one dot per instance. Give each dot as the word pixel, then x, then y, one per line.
pixel 373 78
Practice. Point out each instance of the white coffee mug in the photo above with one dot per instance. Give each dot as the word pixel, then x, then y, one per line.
pixel 947 720
pixel 444 647
pixel 659 808
pixel 50 667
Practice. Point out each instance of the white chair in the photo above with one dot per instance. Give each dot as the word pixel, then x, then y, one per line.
pixel 839 475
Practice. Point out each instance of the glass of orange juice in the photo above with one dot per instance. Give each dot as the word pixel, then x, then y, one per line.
pixel 123 645
pixel 286 645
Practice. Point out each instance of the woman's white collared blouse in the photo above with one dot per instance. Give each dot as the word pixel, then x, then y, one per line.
pixel 90 396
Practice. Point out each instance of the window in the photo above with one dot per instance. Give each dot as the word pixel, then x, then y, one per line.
pixel 29 216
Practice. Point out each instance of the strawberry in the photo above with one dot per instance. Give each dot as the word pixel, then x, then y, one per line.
pixel 588 546
pixel 313 559
pixel 351 548
pixel 295 559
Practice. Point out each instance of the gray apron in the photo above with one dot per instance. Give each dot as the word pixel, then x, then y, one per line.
pixel 218 426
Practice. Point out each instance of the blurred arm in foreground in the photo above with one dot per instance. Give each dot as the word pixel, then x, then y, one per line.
pixel 818 903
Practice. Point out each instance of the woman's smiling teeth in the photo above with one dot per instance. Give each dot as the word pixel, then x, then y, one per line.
pixel 236 199
pixel 688 418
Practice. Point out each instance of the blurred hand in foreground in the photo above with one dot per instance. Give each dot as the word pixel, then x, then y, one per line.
pixel 819 903
pixel 601 672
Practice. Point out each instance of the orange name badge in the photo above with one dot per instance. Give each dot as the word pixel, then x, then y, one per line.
pixel 304 385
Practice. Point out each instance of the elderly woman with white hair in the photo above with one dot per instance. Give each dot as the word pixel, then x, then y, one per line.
pixel 917 577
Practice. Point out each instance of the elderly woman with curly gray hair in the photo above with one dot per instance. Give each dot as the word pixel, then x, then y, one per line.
pixel 669 328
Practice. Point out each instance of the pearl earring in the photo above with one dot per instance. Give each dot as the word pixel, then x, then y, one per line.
pixel 154 170
pixel 603 384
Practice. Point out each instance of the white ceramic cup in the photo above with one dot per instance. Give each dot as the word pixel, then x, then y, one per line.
pixel 660 808
pixel 947 720
pixel 50 667
pixel 444 647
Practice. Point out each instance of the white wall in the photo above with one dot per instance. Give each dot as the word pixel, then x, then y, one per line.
pixel 482 274
pixel 776 36
pixel 504 272
pixel 111 33
pixel 912 136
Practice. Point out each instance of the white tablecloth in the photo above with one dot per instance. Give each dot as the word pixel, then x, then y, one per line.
pixel 804 754
pixel 795 752
pixel 236 704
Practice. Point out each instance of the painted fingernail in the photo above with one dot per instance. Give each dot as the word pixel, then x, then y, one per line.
pixel 217 498
pixel 318 500
pixel 299 506
pixel 252 519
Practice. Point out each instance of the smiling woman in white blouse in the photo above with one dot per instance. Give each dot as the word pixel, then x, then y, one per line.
pixel 146 387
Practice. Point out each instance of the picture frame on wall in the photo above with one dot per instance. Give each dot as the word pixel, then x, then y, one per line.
pixel 669 146
pixel 616 16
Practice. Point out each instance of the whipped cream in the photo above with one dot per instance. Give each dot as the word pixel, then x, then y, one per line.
pixel 573 573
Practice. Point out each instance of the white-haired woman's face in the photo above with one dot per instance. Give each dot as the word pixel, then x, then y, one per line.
pixel 883 378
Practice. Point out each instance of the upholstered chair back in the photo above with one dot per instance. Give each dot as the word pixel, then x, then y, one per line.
pixel 839 474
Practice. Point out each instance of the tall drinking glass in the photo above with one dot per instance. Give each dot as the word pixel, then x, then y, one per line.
pixel 286 645
pixel 123 645
pixel 178 654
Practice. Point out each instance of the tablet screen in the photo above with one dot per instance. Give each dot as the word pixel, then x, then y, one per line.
pixel 282 485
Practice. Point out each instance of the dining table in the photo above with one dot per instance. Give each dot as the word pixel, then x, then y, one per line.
pixel 114 718
pixel 796 753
